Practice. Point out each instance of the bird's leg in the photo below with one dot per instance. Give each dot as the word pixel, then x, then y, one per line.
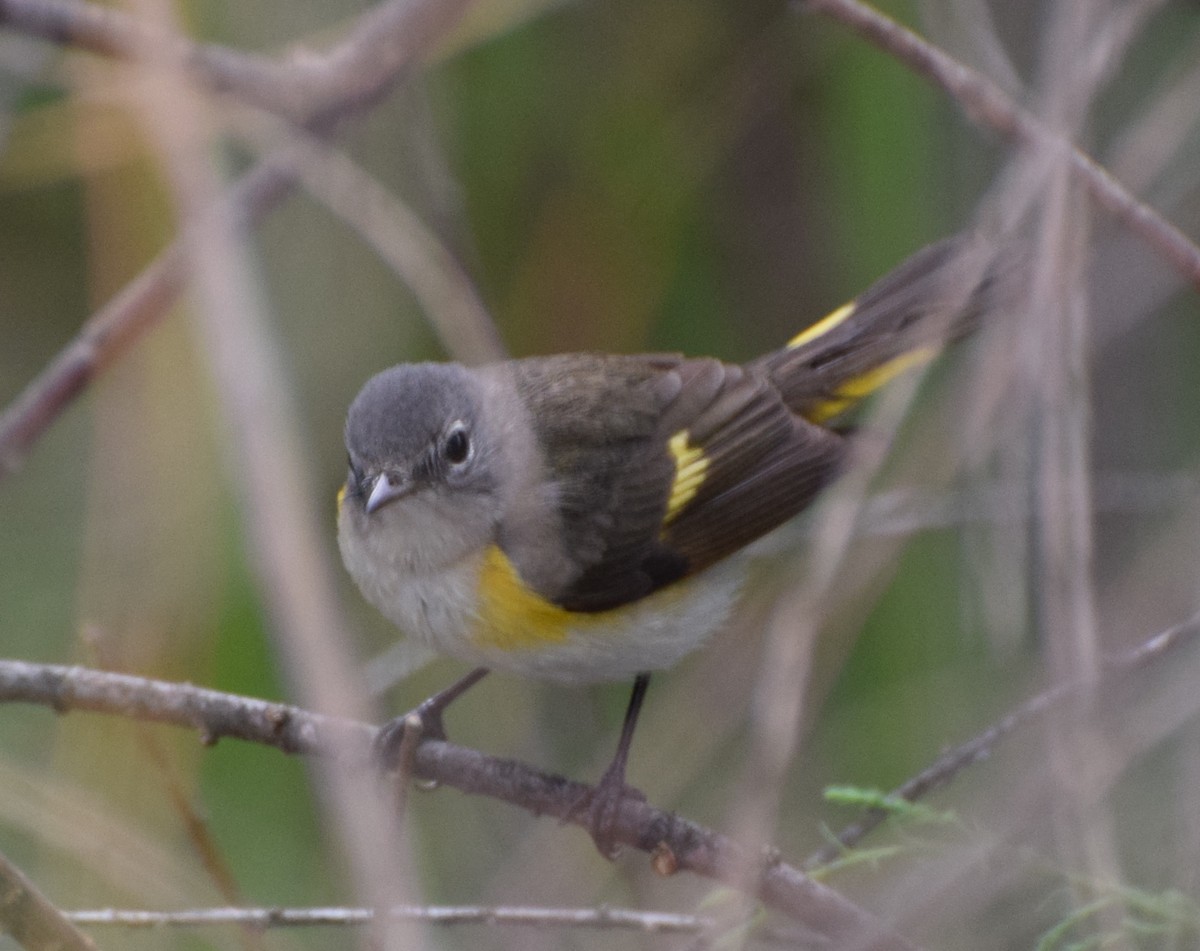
pixel 605 798
pixel 428 714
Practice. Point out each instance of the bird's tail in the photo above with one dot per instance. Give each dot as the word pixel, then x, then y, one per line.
pixel 901 321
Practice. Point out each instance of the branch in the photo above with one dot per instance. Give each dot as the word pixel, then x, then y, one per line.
pixel 305 87
pixel 603 919
pixel 119 323
pixel 676 844
pixel 30 917
pixel 384 41
pixel 986 104
pixel 594 919
pixel 107 31
pixel 397 235
pixel 947 766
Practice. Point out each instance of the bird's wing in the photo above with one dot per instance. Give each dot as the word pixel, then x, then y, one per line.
pixel 664 465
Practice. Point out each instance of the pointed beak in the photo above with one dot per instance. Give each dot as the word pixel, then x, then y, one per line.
pixel 385 490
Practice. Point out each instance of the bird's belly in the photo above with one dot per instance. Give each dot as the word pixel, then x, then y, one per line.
pixel 479 612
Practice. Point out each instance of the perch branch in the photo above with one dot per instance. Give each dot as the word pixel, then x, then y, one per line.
pixel 687 845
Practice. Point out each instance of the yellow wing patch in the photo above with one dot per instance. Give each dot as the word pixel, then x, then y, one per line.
pixel 510 615
pixel 822 326
pixel 864 385
pixel 691 467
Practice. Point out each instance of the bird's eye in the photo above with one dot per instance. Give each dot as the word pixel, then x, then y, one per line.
pixel 456 448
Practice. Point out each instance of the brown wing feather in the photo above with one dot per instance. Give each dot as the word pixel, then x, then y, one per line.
pixel 764 465
pixel 606 422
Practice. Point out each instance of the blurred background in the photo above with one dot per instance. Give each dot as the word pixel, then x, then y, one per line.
pixel 684 175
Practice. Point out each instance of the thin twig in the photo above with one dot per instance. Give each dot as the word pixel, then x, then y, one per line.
pixel 123 320
pixel 442 288
pixel 946 767
pixel 603 919
pixel 32 919
pixel 986 104
pixel 305 86
pixel 595 919
pixel 365 66
pixel 279 87
pixel 103 652
pixel 638 824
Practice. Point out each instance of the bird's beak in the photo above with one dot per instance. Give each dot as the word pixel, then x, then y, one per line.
pixel 385 490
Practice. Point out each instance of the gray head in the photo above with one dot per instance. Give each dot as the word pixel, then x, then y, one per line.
pixel 412 428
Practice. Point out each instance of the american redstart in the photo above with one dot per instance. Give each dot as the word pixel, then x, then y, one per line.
pixel 571 517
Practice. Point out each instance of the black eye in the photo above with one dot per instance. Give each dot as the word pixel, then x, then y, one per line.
pixel 456 449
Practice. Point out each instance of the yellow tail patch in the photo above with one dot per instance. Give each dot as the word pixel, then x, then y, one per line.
pixel 822 326
pixel 856 388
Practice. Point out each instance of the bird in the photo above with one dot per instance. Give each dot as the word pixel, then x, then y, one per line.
pixel 578 518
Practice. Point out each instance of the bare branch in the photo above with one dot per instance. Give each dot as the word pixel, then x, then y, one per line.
pixel 122 321
pixel 213 713
pixel 30 917
pixel 303 88
pixel 112 32
pixel 385 40
pixel 444 291
pixel 593 919
pixel 986 104
pixel 291 729
pixel 691 847
pixel 947 766
pixel 601 919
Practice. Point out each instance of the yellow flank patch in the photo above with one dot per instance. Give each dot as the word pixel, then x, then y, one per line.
pixel 510 615
pixel 691 467
pixel 856 388
pixel 822 326
pixel 341 496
